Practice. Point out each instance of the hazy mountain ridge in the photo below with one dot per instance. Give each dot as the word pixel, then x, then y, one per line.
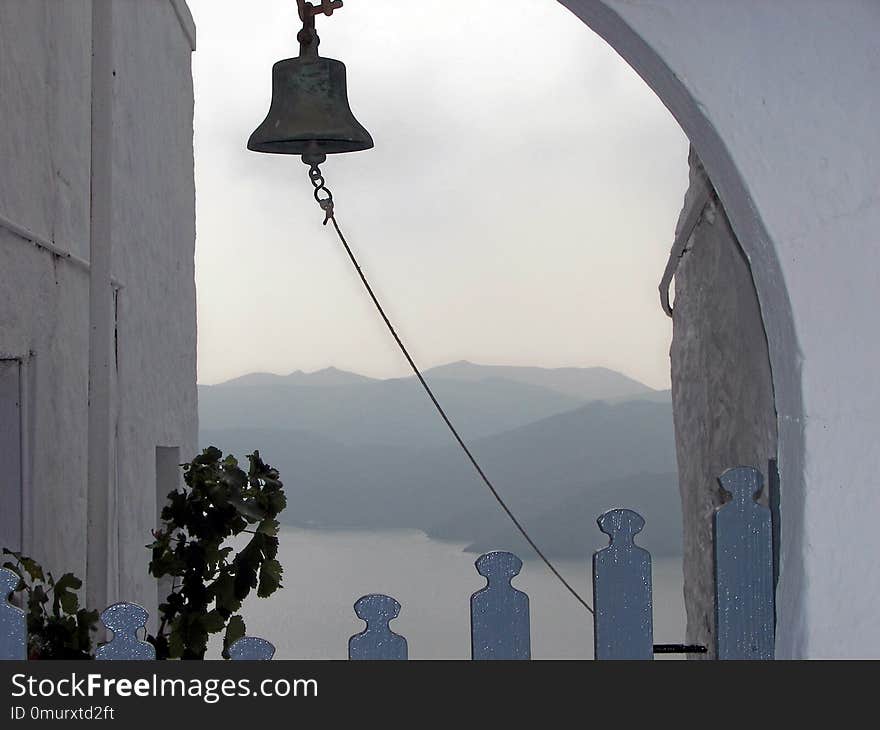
pixel 352 408
pixel 558 469
pixel 393 412
pixel 593 383
pixel 588 384
pixel 318 378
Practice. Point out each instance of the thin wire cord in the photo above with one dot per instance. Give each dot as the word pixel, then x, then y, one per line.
pixel 330 216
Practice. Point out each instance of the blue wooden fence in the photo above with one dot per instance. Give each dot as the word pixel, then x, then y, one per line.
pixel 622 623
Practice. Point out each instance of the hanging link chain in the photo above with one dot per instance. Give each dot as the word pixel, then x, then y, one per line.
pixel 326 203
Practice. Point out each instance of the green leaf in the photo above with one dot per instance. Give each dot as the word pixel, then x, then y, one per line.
pixel 270 578
pixel 223 590
pixel 64 595
pixel 211 455
pixel 247 509
pixel 38 597
pixel 246 564
pixel 32 568
pixel 269 527
pixel 69 602
pixel 213 622
pixel 234 631
pixel 230 463
pixel 196 637
pixel 175 639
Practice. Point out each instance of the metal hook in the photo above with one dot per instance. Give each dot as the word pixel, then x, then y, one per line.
pixel 308 11
pixel 308 36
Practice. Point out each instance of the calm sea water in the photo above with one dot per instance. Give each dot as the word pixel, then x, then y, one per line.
pixel 325 571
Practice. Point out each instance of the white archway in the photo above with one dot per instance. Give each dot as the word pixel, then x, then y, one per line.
pixel 780 102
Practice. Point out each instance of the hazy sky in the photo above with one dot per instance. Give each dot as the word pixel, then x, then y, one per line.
pixel 518 206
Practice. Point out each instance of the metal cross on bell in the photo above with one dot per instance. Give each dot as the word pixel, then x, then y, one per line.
pixel 310 114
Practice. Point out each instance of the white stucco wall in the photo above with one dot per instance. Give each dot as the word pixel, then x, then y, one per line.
pixel 44 188
pixel 780 100
pixel 47 194
pixel 154 238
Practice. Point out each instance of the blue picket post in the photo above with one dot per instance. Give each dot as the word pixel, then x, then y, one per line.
pixel 251 648
pixel 622 619
pixel 377 640
pixel 13 624
pixel 744 605
pixel 125 620
pixel 499 612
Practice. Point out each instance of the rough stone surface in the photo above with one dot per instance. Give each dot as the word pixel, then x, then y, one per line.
pixel 721 393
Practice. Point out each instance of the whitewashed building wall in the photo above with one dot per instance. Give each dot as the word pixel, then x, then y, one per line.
pixel 97 293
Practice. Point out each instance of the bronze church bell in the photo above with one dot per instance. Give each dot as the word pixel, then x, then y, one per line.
pixel 310 114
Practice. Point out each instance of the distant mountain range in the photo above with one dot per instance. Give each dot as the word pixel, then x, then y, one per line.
pixel 561 445
pixel 584 383
pixel 327 376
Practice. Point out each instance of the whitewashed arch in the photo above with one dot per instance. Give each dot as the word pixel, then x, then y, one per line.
pixel 780 101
